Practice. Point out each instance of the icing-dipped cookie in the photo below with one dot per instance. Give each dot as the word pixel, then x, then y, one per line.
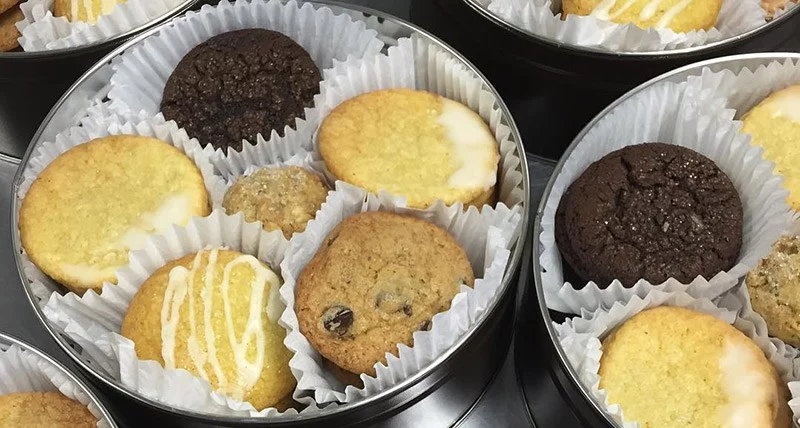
pixel 673 367
pixel 678 15
pixel 215 313
pixel 774 125
pixel 88 11
pixel 98 200
pixel 414 144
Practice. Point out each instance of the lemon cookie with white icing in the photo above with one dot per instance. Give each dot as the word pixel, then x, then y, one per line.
pixel 414 144
pixel 678 15
pixel 674 367
pixel 215 314
pixel 98 200
pixel 774 125
pixel 88 11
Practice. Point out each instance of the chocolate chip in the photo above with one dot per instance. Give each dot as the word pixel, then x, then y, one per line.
pixel 408 310
pixel 425 326
pixel 338 320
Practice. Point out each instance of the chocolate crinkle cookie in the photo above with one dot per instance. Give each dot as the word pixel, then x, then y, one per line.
pixel 650 211
pixel 240 84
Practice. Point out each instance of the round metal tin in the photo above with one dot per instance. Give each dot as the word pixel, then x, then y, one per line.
pixel 537 317
pixel 441 393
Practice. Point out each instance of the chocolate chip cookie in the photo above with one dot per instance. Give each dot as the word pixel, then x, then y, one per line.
pixel 377 278
pixel 240 84
pixel 650 211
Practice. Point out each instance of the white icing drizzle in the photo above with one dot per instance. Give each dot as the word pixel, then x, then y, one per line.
pixel 786 103
pixel 749 388
pixel 106 6
pixel 181 283
pixel 603 10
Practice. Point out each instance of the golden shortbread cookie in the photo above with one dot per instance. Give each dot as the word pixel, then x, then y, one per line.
pixel 774 288
pixel 215 313
pixel 8 4
pixel 95 202
pixel 88 11
pixel 43 410
pixel 377 278
pixel 280 198
pixel 774 125
pixel 411 143
pixel 9 35
pixel 681 16
pixel 671 367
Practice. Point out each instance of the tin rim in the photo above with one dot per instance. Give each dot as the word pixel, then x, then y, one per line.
pixel 680 73
pixel 632 55
pixel 10 340
pixel 413 381
pixel 99 45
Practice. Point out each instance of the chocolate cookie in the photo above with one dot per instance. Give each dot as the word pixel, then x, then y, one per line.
pixel 237 85
pixel 378 278
pixel 650 211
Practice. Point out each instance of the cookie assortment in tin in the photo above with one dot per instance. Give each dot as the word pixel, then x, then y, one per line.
pixel 222 305
pixel 737 113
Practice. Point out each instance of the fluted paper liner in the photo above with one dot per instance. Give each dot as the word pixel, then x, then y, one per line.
pixel 487 236
pixel 670 113
pixel 24 371
pixel 141 75
pixel 41 31
pixel 94 321
pixel 543 18
pixel 580 337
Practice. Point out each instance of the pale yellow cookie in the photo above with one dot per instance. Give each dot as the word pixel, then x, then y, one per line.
pixel 215 313
pixel 88 11
pixel 678 15
pixel 43 410
pixel 411 143
pixel 671 367
pixel 774 125
pixel 95 202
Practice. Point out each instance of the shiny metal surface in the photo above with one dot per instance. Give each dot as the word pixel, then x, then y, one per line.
pixel 465 369
pixel 721 44
pixel 7 340
pixel 570 379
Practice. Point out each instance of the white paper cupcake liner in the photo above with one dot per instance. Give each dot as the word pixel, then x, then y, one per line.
pixel 24 371
pixel 667 113
pixel 140 77
pixel 581 337
pixel 487 236
pixel 227 173
pixel 42 31
pixel 94 321
pixel 543 18
pixel 416 63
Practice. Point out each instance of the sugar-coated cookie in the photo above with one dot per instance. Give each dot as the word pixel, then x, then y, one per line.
pixel 98 200
pixel 43 410
pixel 215 313
pixel 377 278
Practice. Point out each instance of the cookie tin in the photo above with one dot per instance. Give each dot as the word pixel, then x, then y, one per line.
pixel 559 75
pixel 45 75
pixel 536 335
pixel 440 394
pixel 68 379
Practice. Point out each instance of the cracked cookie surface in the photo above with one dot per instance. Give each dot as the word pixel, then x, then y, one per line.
pixel 239 84
pixel 377 278
pixel 651 211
